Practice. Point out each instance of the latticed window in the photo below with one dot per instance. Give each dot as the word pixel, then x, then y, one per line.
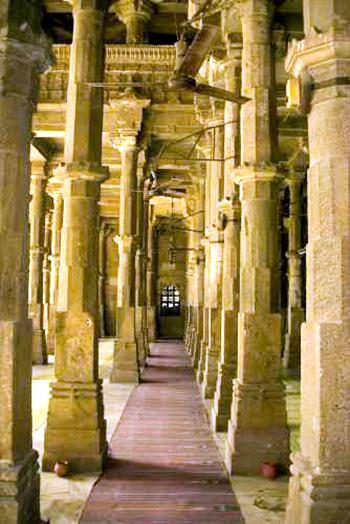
pixel 170 301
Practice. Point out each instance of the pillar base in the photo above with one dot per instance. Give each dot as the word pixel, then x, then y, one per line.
pixel 291 356
pixel 201 361
pixel 141 349
pixel 151 323
pixel 210 374
pixel 317 498
pixel 257 431
pixel 39 350
pixel 125 363
pixel 196 350
pixel 20 491
pixel 51 331
pixel 76 430
pixel 221 410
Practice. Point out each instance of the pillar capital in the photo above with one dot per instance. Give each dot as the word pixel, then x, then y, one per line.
pixel 318 64
pixel 124 242
pixel 88 5
pixel 315 49
pixel 92 172
pixel 257 174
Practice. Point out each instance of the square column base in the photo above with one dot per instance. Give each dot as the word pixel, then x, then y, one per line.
pixel 196 350
pixel 221 410
pixel 76 430
pixel 210 373
pixel 291 355
pixel 257 431
pixel 125 363
pixel 317 498
pixel 20 491
pixel 39 350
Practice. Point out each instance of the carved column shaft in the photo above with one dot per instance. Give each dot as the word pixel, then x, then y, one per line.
pixel 230 215
pixel 75 428
pixel 55 266
pixel 206 247
pixel 258 425
pixel 140 264
pixel 20 63
pixel 101 277
pixel 291 357
pixel 216 263
pixel 151 279
pixel 126 364
pixel 36 257
pixel 319 489
pixel 47 270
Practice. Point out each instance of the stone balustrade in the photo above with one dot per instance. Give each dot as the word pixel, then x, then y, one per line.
pixel 121 60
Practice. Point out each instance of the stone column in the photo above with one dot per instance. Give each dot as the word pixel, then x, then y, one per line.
pixel 126 360
pixel 190 264
pixel 227 369
pixel 135 17
pixel 140 261
pixel 38 180
pixel 75 428
pixel 136 24
pixel 229 210
pixel 257 430
pixel 101 277
pixel 22 57
pixel 216 262
pixel 319 489
pixel 206 248
pixel 295 311
pixel 55 264
pixel 151 278
pixel 47 271
pixel 198 282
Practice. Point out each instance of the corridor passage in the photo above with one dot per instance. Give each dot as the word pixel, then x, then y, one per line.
pixel 164 467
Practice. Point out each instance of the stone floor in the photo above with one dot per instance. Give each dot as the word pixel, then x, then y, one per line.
pixel 164 466
pixel 63 500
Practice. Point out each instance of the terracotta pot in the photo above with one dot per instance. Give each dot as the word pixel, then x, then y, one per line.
pixel 269 470
pixel 62 468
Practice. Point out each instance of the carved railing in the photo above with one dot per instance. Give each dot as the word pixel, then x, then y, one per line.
pixel 120 60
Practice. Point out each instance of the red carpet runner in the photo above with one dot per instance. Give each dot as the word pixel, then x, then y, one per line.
pixel 164 467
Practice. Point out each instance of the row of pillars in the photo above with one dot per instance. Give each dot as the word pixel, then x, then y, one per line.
pixel 76 429
pixel 233 331
pixel 319 487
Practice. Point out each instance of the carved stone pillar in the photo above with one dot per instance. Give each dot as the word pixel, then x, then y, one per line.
pixel 229 210
pixel 198 283
pixel 319 489
pixel 57 219
pixel 140 261
pixel 227 369
pixel 257 430
pixel 126 360
pixel 75 428
pixel 190 264
pixel 47 270
pixel 101 277
pixel 295 312
pixel 22 57
pixel 151 278
pixel 206 247
pixel 216 262
pixel 38 180
pixel 136 18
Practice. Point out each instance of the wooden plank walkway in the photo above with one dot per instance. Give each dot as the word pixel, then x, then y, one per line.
pixel 164 467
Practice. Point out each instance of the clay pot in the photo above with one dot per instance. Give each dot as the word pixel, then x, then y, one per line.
pixel 269 470
pixel 62 468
